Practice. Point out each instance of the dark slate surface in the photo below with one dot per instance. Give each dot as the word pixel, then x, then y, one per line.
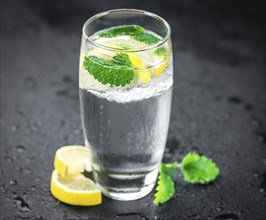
pixel 218 106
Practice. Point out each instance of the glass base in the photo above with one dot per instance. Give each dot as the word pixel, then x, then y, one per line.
pixel 127 195
pixel 127 190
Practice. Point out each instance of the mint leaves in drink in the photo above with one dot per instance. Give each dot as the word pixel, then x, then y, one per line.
pixel 118 71
pixel 194 169
pixel 136 32
pixel 126 30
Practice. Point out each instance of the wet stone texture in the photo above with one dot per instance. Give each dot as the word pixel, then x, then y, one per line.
pixel 218 107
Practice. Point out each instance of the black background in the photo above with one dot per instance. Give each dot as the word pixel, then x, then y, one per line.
pixel 218 106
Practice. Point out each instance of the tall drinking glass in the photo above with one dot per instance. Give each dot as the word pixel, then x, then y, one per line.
pixel 125 81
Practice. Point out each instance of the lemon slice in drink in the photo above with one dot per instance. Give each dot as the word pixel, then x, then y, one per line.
pixel 72 159
pixel 155 64
pixel 141 69
pixel 75 189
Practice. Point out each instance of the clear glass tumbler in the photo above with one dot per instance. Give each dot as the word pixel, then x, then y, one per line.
pixel 125 81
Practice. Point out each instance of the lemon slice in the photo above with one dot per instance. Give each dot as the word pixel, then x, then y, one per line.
pixel 75 189
pixel 141 69
pixel 72 159
pixel 161 67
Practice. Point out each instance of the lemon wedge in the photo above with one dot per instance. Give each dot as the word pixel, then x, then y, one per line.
pixel 75 189
pixel 72 159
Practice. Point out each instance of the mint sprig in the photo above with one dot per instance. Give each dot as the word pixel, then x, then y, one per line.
pixel 118 71
pixel 194 169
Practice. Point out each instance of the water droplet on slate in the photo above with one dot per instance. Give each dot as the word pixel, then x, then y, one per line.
pixel 8 159
pixel 255 121
pixel 19 169
pixel 248 107
pixel 13 182
pixel 14 127
pixel 250 185
pixel 227 216
pixel 256 174
pixel 219 209
pixel 262 136
pixel 20 148
pixel 235 100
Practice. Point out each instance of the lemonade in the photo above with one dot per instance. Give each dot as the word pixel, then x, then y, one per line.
pixel 125 100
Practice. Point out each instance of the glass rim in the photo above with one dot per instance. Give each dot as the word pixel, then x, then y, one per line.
pixel 148 47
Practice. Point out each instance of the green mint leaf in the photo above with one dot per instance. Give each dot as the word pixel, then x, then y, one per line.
pixel 161 51
pixel 127 30
pixel 122 59
pixel 198 169
pixel 165 186
pixel 135 31
pixel 146 38
pixel 118 71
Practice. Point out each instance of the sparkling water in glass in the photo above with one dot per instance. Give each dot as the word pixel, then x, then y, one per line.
pixel 125 124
